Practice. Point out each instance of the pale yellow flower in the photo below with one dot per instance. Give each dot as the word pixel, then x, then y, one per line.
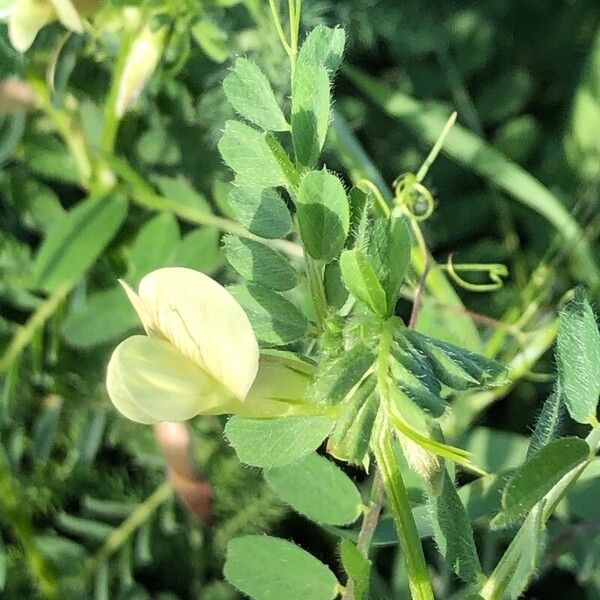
pixel 200 357
pixel 28 17
pixel 144 56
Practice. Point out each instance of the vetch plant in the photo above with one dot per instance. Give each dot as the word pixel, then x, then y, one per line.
pixel 377 387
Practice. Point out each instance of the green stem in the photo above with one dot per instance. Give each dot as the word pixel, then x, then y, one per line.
pixel 68 128
pixel 367 529
pixel 24 335
pixel 410 541
pixel 142 194
pixel 279 27
pixel 294 9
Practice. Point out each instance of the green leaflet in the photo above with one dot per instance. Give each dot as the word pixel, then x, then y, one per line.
pixel 260 264
pixel 416 390
pixel 323 46
pixel 415 361
pixel 271 443
pixel 412 422
pixel 319 57
pixel 323 214
pixel 107 315
pixel 199 249
pixel 246 152
pixel 50 158
pixel 268 568
pixel 530 483
pixel 578 358
pixel 318 489
pixel 357 566
pixel 350 438
pixel 212 39
pixel 337 378
pixel 249 92
pixel 360 278
pixel 335 290
pixel 275 319
pixel 458 368
pixel 389 251
pixel 452 531
pixel 531 545
pixel 154 246
pixel 76 241
pixel 262 211
pixel 180 191
pixel 310 111
pixel 548 423
pixel 359 208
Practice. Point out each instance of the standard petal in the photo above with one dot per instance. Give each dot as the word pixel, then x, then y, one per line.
pixel 140 308
pixel 203 320
pixel 164 384
pixel 28 18
pixel 68 15
pixel 119 395
pixel 279 389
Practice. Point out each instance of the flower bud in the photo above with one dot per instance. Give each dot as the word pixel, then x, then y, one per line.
pixel 144 54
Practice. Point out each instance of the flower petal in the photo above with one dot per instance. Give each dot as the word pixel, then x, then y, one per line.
pixel 203 320
pixel 163 384
pixel 28 18
pixel 120 396
pixel 68 15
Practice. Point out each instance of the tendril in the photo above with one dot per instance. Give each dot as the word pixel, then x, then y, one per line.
pixel 373 189
pixel 409 193
pixel 494 271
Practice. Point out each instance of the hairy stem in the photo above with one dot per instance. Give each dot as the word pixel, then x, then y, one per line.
pixel 410 541
pixel 367 529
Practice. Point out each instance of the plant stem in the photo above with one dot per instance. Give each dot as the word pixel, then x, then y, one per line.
pixel 371 517
pixel 368 526
pixel 23 335
pixel 141 193
pixel 279 27
pixel 410 541
pixel 294 8
pixel 68 128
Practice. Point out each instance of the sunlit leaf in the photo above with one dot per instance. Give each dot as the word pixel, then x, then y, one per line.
pixel 268 568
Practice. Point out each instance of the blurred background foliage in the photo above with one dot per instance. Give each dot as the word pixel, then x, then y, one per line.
pixel 83 506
